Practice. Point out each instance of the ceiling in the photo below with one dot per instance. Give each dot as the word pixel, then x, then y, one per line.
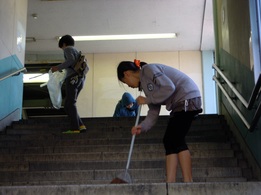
pixel 191 19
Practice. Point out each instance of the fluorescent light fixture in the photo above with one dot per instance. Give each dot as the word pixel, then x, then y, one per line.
pixel 124 37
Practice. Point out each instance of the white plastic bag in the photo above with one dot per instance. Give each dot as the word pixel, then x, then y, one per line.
pixel 54 86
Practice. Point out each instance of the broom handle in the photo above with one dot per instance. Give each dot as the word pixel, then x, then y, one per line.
pixel 132 140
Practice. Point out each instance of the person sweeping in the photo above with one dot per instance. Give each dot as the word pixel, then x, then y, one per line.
pixel 164 85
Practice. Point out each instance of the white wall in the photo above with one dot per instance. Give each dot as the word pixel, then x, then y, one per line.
pixel 13 17
pixel 102 90
pixel 209 92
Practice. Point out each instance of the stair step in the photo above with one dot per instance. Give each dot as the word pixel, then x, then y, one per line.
pixel 214 188
pixel 93 165
pixel 201 119
pixel 106 182
pixel 109 132
pixel 108 175
pixel 105 148
pixel 107 156
pixel 72 140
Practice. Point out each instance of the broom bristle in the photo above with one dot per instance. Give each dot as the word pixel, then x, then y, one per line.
pixel 118 181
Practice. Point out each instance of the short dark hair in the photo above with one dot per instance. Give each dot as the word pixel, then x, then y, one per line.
pixel 67 40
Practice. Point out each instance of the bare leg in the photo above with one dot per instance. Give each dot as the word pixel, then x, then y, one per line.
pixel 171 167
pixel 186 167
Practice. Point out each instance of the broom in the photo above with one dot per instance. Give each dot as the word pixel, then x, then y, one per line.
pixel 125 176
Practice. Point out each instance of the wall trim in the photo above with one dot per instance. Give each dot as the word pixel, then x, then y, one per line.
pixel 14 116
pixel 256 169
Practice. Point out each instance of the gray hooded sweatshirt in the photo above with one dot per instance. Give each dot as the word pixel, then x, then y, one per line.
pixel 165 85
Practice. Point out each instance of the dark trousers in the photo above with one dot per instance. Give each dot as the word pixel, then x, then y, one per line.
pixel 73 89
pixel 178 127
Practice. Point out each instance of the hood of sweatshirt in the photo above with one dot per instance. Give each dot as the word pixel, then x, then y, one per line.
pixel 127 99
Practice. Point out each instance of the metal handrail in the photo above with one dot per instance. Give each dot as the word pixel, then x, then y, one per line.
pixel 14 73
pixel 239 96
pixel 248 105
pixel 231 102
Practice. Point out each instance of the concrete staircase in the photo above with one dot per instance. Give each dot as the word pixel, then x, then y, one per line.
pixel 36 158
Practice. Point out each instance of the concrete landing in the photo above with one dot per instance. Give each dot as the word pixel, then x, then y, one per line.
pixel 228 188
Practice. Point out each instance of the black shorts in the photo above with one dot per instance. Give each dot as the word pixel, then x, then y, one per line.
pixel 178 127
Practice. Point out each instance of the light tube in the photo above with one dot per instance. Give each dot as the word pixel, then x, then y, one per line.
pixel 124 37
